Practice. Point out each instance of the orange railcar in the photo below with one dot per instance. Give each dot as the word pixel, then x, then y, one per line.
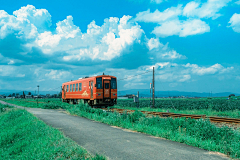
pixel 96 91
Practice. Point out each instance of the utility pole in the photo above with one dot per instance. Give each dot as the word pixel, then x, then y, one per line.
pixel 38 95
pixel 153 92
pixel 150 95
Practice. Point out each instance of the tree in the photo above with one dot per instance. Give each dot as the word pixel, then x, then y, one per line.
pixel 29 93
pixel 231 95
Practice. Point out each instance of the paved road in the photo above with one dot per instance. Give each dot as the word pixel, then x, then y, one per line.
pixel 117 143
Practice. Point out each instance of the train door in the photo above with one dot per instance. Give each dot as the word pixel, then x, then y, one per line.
pixel 91 85
pixel 64 91
pixel 106 88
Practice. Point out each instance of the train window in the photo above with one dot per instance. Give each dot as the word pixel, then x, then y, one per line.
pixel 99 83
pixel 67 89
pixel 73 87
pixel 113 83
pixel 76 86
pixel 70 88
pixel 107 85
pixel 80 86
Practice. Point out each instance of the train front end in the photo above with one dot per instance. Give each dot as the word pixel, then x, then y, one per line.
pixel 106 91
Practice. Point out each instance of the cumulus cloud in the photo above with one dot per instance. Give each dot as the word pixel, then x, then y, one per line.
pixel 208 9
pixel 100 42
pixel 207 70
pixel 159 17
pixel 56 74
pixel 181 28
pixel 10 24
pixel 156 1
pixel 162 51
pixel 172 21
pixel 237 2
pixel 40 18
pixel 235 22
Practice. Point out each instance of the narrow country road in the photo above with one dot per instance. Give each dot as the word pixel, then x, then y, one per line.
pixel 116 143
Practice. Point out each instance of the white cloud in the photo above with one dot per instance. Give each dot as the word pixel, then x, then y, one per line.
pixel 40 18
pixel 154 43
pixel 109 40
pixel 156 1
pixel 238 2
pixel 57 75
pixel 235 22
pixel 10 24
pixel 67 29
pixel 162 51
pixel 11 71
pixel 208 9
pixel 170 23
pixel 207 70
pixel 181 28
pixel 184 78
pixel 159 17
pixel 172 55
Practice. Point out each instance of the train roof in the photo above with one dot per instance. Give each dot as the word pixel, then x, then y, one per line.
pixel 91 77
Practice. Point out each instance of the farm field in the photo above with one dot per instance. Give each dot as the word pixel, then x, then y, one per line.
pixel 220 107
pixel 25 136
pixel 199 133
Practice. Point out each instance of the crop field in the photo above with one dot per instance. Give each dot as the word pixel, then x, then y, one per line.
pixel 221 107
pixel 200 133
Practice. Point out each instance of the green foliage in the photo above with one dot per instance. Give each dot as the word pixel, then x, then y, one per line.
pixel 23 136
pixel 52 106
pixel 4 107
pixel 200 133
pixel 214 104
pixel 210 107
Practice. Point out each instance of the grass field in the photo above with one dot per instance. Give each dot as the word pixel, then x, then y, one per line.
pixel 199 133
pixel 221 107
pixel 23 136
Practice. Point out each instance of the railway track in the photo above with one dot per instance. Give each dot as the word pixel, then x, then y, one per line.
pixel 177 115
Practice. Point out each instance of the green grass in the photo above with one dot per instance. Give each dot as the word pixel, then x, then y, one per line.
pixel 23 136
pixel 214 104
pixel 200 133
pixel 48 103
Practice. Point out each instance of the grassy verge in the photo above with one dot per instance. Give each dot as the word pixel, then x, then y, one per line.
pixel 24 136
pixel 54 103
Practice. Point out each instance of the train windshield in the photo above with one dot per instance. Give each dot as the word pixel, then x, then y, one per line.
pixel 99 83
pixel 113 83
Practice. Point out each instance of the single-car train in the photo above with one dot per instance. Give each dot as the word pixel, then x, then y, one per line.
pixel 96 91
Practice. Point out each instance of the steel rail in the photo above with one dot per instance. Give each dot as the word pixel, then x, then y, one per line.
pixel 177 115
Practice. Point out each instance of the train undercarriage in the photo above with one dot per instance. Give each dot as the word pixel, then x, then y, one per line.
pixel 97 102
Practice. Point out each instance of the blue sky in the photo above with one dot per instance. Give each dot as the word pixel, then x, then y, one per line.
pixel 194 45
